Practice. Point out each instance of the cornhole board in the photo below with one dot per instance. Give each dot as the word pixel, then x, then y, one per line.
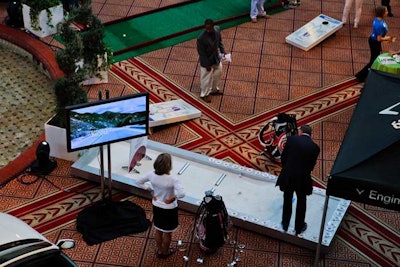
pixel 250 195
pixel 314 32
pixel 171 111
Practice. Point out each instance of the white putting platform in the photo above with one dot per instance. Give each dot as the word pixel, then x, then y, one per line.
pixel 171 111
pixel 252 200
pixel 314 32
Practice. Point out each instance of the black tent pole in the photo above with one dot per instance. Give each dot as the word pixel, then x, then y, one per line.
pixel 321 232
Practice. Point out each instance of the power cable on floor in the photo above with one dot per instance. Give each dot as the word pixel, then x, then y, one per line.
pixel 22 178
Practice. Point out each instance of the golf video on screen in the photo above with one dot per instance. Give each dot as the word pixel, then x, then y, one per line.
pixel 107 121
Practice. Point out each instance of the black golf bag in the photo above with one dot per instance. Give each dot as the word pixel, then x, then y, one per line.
pixel 282 125
pixel 212 223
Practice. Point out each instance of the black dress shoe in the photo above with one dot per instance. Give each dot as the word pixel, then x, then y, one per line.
pixel 284 228
pixel 390 15
pixel 206 98
pixel 216 92
pixel 302 229
pixel 164 256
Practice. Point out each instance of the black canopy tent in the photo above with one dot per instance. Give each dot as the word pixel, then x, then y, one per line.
pixel 367 167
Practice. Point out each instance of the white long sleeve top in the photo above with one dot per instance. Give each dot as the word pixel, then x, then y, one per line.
pixel 164 187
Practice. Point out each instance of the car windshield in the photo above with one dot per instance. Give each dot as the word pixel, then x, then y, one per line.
pixel 45 259
pixel 15 249
pixel 52 257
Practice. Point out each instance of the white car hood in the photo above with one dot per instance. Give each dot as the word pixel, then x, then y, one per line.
pixel 13 229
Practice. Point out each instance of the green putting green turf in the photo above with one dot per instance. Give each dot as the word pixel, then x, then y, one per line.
pixel 141 34
pixel 166 43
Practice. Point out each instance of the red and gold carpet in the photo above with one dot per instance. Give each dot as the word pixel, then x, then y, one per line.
pixel 50 205
pixel 260 84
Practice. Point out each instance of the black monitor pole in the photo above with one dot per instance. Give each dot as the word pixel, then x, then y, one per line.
pixel 101 164
pixel 102 176
pixel 109 158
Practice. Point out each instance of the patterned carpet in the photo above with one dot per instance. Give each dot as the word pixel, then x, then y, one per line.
pixel 228 129
pixel 51 205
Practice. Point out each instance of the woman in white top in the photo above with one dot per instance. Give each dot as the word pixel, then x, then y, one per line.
pixel 166 189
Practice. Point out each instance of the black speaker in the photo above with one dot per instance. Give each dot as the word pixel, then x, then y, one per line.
pixel 14 11
pixel 43 164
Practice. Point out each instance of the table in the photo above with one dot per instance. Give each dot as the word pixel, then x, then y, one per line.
pixel 386 63
pixel 171 111
pixel 250 195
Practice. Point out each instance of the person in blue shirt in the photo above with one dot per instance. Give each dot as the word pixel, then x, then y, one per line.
pixel 377 36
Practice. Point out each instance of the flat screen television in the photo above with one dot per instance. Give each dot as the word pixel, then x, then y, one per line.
pixel 107 121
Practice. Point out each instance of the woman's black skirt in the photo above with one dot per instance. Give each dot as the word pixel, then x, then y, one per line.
pixel 165 220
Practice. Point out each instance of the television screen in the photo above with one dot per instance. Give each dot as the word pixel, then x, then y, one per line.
pixel 107 121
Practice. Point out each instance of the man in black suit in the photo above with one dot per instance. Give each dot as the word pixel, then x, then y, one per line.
pixel 299 157
pixel 210 48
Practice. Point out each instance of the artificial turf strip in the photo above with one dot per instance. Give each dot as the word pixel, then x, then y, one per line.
pixel 141 34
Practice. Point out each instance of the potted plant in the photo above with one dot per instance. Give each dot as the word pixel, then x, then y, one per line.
pixel 41 17
pixel 68 90
pixel 84 55
pixel 97 56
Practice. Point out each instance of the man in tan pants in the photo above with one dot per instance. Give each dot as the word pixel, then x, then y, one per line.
pixel 209 48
